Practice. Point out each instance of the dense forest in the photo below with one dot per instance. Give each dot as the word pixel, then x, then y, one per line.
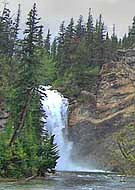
pixel 72 62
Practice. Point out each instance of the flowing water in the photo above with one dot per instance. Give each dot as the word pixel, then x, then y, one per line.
pixel 75 181
pixel 56 109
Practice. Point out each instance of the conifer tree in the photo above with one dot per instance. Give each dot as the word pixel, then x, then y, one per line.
pixel 5 28
pixel 17 22
pixel 61 40
pixel 131 34
pixel 28 70
pixel 54 49
pixel 40 37
pixel 80 29
pixel 70 31
pixel 69 44
pixel 99 41
pixel 108 48
pixel 90 38
pixel 47 42
pixel 90 29
pixel 114 41
pixel 60 48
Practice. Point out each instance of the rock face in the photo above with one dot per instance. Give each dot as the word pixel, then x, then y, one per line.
pixel 93 120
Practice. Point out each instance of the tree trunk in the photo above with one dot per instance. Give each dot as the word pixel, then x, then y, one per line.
pixel 22 118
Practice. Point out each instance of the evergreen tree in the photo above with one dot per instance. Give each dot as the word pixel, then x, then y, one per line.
pixel 5 32
pixel 60 49
pixel 40 37
pixel 90 38
pixel 47 43
pixel 28 69
pixel 31 32
pixel 114 41
pixel 69 45
pixel 108 48
pixel 132 31
pixel 90 29
pixel 70 31
pixel 54 49
pixel 80 29
pixel 99 42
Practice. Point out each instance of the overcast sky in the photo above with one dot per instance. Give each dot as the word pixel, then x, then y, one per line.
pixel 53 12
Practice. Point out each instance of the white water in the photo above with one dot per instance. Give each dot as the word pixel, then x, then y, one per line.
pixel 56 108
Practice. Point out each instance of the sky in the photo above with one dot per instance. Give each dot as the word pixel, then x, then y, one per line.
pixel 53 12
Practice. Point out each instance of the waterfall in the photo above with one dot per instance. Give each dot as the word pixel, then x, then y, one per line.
pixel 56 108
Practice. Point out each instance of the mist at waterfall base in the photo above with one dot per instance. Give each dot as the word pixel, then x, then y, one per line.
pixel 56 109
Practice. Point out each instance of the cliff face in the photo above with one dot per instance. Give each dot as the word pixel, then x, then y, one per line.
pixel 93 120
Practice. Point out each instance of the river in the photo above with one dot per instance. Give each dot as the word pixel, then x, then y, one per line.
pixel 75 181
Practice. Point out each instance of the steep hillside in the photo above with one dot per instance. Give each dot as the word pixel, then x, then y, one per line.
pixel 93 120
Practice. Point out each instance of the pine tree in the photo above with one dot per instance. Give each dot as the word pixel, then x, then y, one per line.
pixel 6 24
pixel 61 40
pixel 90 29
pixel 61 37
pixel 31 32
pixel 69 45
pixel 47 43
pixel 60 48
pixel 131 34
pixel 28 82
pixel 40 37
pixel 54 49
pixel 108 48
pixel 90 39
pixel 80 29
pixel 99 39
pixel 114 41
pixel 70 31
pixel 17 22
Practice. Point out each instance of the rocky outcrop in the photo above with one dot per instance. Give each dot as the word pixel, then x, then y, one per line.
pixel 93 120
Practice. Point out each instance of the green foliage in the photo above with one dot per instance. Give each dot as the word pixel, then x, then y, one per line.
pixel 47 43
pixel 83 49
pixel 126 149
pixel 48 70
pixel 25 148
